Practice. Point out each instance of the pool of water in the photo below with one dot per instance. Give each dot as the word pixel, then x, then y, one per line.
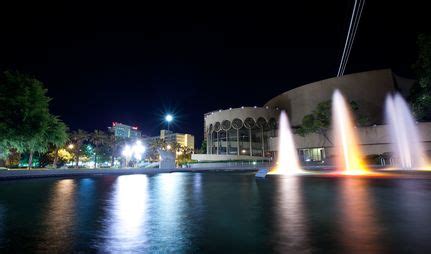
pixel 215 213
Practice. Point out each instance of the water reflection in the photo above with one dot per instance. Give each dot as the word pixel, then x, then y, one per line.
pixel 60 217
pixel 2 212
pixel 197 183
pixel 291 224
pixel 170 200
pixel 127 215
pixel 414 203
pixel 217 213
pixel 359 232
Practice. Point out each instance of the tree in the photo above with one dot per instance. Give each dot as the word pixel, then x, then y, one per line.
pixel 158 144
pixel 184 155
pixel 155 146
pixel 56 136
pixel 61 155
pixel 420 93
pixel 99 139
pixel 78 138
pixel 112 144
pixel 203 148
pixel 25 121
pixel 177 147
pixel 319 121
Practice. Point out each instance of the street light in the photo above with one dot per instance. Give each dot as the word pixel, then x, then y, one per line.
pixel 138 149
pixel 127 153
pixel 169 118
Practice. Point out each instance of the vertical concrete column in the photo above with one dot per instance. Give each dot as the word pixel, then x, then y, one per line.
pixel 218 142
pixel 209 147
pixel 237 142
pixel 227 142
pixel 263 143
pixel 249 138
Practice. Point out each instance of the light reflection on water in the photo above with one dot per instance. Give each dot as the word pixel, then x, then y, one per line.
pixel 359 232
pixel 210 212
pixel 291 224
pixel 60 217
pixel 127 215
pixel 169 203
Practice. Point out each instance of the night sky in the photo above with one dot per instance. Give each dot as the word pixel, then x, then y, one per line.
pixel 132 64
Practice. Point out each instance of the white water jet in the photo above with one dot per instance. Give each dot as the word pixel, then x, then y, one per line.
pixel 407 146
pixel 287 161
pixel 350 156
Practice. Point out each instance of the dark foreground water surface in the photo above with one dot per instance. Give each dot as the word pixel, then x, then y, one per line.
pixel 216 213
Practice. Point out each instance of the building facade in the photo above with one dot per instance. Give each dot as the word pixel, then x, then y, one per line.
pixel 124 131
pixel 252 131
pixel 240 131
pixel 186 140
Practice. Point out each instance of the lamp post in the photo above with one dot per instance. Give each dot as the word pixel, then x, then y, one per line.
pixel 138 149
pixel 169 118
pixel 127 153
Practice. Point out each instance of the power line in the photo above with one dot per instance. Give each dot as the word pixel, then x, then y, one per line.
pixel 354 23
pixel 347 39
pixel 358 17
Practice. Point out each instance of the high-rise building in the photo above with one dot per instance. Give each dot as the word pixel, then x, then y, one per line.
pixel 124 131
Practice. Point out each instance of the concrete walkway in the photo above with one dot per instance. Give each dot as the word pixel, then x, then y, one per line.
pixel 39 173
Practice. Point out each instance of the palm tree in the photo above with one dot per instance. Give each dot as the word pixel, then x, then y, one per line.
pixel 98 138
pixel 176 147
pixel 156 145
pixel 78 138
pixel 112 143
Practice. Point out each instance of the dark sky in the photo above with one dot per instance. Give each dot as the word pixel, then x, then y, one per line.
pixel 132 64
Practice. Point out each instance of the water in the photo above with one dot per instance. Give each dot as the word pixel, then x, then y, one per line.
pixel 215 213
pixel 346 143
pixel 407 146
pixel 287 161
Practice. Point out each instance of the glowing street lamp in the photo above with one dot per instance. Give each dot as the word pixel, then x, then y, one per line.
pixel 169 118
pixel 127 153
pixel 138 149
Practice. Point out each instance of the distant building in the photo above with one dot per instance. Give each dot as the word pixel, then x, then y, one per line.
pixel 124 131
pixel 169 137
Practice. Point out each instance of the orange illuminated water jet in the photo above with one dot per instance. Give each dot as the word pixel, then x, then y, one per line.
pixel 287 161
pixel 349 161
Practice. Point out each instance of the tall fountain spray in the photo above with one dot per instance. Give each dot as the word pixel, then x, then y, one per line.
pixel 407 147
pixel 287 161
pixel 350 158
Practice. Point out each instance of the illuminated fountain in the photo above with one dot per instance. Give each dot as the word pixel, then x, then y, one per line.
pixel 287 161
pixel 407 147
pixel 350 158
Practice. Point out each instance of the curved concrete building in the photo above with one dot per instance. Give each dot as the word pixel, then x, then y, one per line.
pixel 240 131
pixel 252 131
pixel 368 89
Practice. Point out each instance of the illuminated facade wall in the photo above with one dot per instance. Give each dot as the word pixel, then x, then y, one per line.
pixel 369 89
pixel 240 131
pixel 251 131
pixel 170 137
pixel 372 140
